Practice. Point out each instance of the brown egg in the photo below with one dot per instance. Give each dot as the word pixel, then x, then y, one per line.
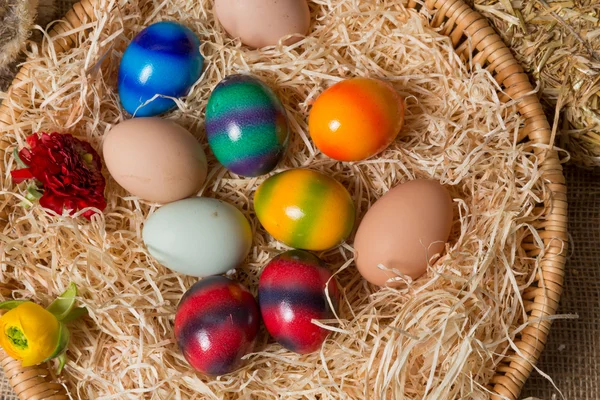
pixel 402 230
pixel 260 23
pixel 155 159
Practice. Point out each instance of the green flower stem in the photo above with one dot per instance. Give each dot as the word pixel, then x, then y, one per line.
pixel 20 162
pixel 62 360
pixel 33 193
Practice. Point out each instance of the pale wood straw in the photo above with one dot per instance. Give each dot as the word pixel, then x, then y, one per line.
pixel 472 36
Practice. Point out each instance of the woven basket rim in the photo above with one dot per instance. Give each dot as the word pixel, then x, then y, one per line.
pixel 460 22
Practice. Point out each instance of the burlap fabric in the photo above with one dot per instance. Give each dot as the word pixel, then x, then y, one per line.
pixel 572 355
pixel 6 392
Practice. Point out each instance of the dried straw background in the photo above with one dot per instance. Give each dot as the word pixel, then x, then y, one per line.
pixel 558 44
pixel 572 354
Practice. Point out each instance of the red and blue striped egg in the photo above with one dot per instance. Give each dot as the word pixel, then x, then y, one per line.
pixel 292 291
pixel 216 324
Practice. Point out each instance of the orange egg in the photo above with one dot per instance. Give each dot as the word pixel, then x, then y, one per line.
pixel 356 119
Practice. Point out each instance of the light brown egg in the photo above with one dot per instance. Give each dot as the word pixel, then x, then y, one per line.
pixel 402 230
pixel 155 159
pixel 260 23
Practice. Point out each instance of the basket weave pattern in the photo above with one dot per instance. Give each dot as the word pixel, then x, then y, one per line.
pixel 473 37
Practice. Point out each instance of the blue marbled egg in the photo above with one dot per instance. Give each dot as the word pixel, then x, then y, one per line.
pixel 162 59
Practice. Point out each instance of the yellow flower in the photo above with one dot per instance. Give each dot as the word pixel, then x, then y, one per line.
pixel 31 334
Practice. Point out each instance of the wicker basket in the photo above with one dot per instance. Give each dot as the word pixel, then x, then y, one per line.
pixel 459 22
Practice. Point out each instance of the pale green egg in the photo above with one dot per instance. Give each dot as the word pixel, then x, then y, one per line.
pixel 198 236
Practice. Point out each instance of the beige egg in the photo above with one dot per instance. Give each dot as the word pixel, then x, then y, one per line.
pixel 403 230
pixel 260 23
pixel 155 159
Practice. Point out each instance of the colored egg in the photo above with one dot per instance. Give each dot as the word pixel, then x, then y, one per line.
pixel 216 325
pixel 292 291
pixel 155 159
pixel 260 23
pixel 163 59
pixel 305 209
pixel 246 125
pixel 403 231
pixel 198 236
pixel 356 119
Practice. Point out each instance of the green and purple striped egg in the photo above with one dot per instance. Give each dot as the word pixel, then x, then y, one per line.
pixel 216 324
pixel 246 126
pixel 293 290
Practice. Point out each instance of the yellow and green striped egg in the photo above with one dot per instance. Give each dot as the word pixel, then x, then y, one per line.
pixel 305 209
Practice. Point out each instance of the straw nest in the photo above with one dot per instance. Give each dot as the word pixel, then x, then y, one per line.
pixel 558 44
pixel 439 337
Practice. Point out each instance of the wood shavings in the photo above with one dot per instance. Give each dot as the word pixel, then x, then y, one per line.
pixel 438 337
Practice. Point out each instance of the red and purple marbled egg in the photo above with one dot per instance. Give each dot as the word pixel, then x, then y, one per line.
pixel 291 293
pixel 216 325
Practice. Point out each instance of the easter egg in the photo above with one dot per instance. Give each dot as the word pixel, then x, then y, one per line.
pixel 292 291
pixel 402 231
pixel 199 236
pixel 163 59
pixel 356 119
pixel 216 324
pixel 246 125
pixel 260 23
pixel 155 159
pixel 305 209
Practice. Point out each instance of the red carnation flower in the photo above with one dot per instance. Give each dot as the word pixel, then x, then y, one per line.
pixel 68 169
